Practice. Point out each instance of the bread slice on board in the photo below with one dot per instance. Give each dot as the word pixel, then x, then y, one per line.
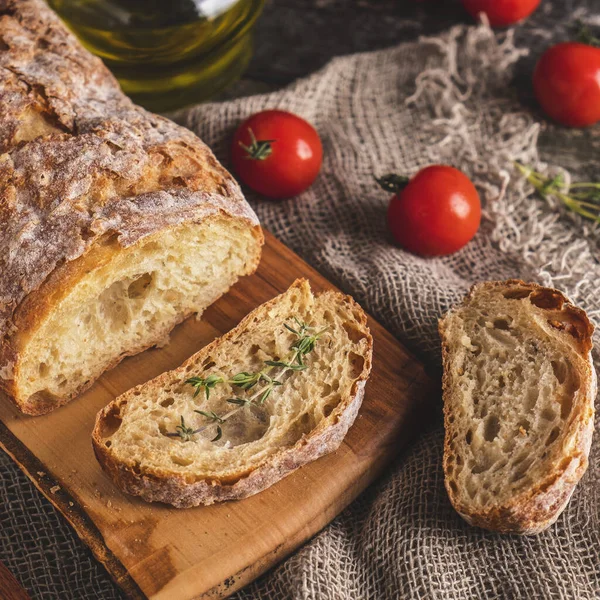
pixel 519 389
pixel 116 223
pixel 154 443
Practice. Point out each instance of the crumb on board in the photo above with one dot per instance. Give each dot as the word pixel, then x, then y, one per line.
pixel 41 474
pixel 54 489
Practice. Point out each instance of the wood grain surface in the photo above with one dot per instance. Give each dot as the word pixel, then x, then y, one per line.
pixel 10 589
pixel 155 551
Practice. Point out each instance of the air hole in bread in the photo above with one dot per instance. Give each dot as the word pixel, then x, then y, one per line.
pixel 516 294
pixel 247 425
pixel 357 364
pixel 207 363
pixel 111 423
pixel 139 286
pixel 354 334
pixel 531 398
pixel 547 299
pixel 566 405
pixel 491 428
pixel 519 474
pixel 328 408
pixel 553 436
pixel 136 468
pixel 167 402
pixel 560 370
pixel 469 437
pixel 481 468
pixel 325 390
pixel 501 324
pixel 548 414
pixel 108 443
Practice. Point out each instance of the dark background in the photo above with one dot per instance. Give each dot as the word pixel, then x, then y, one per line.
pixel 296 37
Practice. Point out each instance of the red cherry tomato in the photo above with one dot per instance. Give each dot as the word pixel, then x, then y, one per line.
pixel 437 212
pixel 501 13
pixel 276 153
pixel 566 81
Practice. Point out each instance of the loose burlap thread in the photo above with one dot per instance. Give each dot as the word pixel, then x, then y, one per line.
pixel 440 100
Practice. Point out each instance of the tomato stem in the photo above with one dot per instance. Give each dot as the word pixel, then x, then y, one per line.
pixel 392 183
pixel 585 35
pixel 587 197
pixel 258 149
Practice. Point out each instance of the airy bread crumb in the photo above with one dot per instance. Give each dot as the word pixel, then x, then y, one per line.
pixel 305 417
pixel 519 389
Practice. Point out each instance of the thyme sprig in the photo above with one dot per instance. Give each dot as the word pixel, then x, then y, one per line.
pixel 581 198
pixel 306 339
pixel 207 383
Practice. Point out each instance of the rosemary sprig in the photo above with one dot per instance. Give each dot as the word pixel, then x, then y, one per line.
pixel 581 198
pixel 303 345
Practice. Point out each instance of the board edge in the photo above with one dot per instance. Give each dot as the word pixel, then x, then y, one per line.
pixel 71 510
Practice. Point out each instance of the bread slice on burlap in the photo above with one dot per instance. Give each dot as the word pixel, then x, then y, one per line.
pixel 153 442
pixel 519 389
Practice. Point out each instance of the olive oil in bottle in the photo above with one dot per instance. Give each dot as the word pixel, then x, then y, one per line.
pixel 166 53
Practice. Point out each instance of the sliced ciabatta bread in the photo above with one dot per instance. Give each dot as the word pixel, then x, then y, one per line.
pixel 278 391
pixel 116 224
pixel 519 389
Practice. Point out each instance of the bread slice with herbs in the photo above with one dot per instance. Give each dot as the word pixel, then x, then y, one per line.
pixel 279 390
pixel 519 389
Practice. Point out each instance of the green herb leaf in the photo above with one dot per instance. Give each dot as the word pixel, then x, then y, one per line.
pixel 183 431
pixel 207 383
pixel 286 365
pixel 245 380
pixel 392 182
pixel 211 415
pixel 219 435
pixel 238 401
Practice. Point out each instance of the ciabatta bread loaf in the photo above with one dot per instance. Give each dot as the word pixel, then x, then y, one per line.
pixel 519 390
pixel 210 431
pixel 116 223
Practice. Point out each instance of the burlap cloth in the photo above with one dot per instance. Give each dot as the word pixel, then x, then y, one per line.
pixel 446 100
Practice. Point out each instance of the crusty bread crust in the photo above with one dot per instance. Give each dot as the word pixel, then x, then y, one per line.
pixel 80 165
pixel 538 507
pixel 164 486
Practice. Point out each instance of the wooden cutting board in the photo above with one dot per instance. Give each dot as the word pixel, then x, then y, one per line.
pixel 154 551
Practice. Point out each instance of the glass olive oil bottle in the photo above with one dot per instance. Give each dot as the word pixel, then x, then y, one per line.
pixel 166 53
